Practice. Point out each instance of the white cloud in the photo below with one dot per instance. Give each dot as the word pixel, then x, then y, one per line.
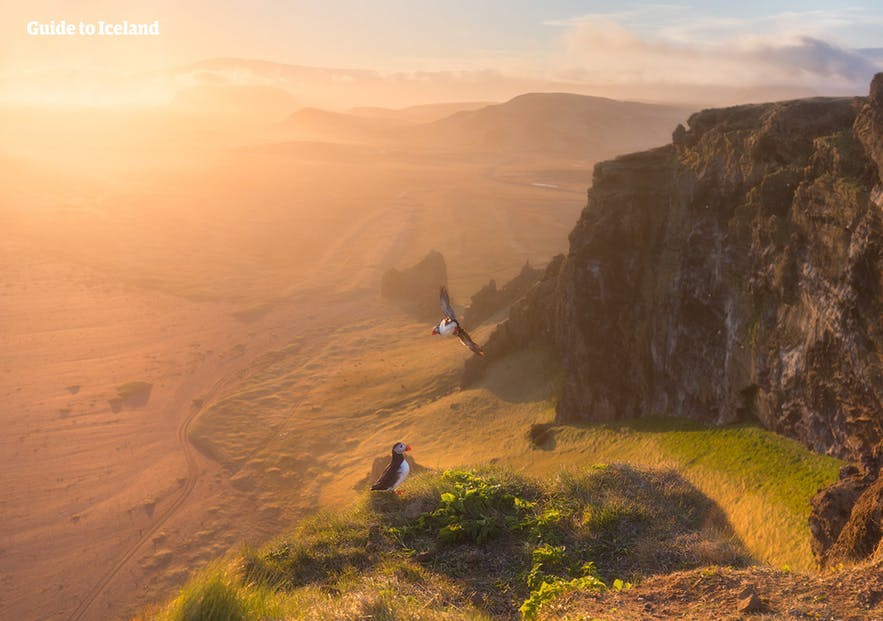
pixel 711 51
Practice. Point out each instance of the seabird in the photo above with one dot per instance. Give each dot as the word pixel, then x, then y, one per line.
pixel 449 324
pixel 397 470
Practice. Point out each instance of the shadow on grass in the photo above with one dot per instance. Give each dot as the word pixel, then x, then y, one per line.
pixel 527 376
pixel 486 531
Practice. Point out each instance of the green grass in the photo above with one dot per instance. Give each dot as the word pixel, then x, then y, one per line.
pixel 778 467
pixel 490 544
pixel 131 394
pixel 761 480
pixel 467 544
pixel 216 595
pixel 134 390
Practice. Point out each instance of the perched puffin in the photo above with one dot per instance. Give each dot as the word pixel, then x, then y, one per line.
pixel 449 324
pixel 397 470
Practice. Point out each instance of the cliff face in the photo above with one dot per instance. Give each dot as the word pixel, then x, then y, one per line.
pixel 736 274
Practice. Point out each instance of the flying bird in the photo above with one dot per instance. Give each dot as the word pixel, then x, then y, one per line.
pixel 449 324
pixel 397 470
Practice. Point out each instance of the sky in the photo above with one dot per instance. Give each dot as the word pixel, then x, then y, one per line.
pixel 825 47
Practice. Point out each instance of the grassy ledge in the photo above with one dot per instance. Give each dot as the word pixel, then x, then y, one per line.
pixel 762 481
pixel 467 544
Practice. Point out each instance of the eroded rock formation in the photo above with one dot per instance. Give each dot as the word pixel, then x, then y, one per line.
pixel 490 300
pixel 735 274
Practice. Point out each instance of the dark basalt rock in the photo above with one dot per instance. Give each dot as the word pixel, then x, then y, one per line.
pixel 490 300
pixel 528 323
pixel 736 274
pixel 847 518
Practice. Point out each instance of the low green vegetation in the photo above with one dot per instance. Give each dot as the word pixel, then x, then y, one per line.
pixel 131 394
pixel 134 390
pixel 776 466
pixel 467 544
pixel 763 481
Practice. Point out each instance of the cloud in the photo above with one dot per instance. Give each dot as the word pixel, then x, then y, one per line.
pixel 598 48
pixel 818 58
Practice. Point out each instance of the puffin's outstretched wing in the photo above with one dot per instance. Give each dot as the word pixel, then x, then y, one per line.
pixel 446 307
pixel 468 342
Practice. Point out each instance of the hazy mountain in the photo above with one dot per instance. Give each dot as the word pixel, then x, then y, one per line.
pixel 330 87
pixel 425 113
pixel 324 125
pixel 562 123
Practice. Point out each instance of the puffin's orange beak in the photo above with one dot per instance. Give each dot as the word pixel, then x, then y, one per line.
pixel 407 447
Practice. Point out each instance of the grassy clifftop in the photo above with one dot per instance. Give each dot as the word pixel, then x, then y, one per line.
pixel 741 494
pixel 484 544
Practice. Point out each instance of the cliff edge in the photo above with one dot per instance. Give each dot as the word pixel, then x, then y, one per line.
pixel 734 275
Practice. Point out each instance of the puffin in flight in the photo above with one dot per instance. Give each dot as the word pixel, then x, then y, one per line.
pixel 449 325
pixel 397 470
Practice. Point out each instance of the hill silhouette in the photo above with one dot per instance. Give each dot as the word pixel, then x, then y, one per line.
pixel 561 123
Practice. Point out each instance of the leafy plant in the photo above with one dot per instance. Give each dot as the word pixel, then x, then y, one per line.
pixel 551 590
pixel 478 509
pixel 544 559
pixel 619 585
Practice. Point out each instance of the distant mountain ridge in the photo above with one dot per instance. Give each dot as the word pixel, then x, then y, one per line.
pixel 327 87
pixel 423 113
pixel 563 124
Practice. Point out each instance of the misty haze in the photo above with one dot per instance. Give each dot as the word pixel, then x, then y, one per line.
pixel 219 282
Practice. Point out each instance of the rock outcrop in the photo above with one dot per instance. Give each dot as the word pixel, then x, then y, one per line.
pixel 529 323
pixel 736 274
pixel 415 289
pixel 847 518
pixel 733 275
pixel 490 300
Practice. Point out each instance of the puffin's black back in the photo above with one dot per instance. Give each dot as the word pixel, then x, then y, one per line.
pixel 388 477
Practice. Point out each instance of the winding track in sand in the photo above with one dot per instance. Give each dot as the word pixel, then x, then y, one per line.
pixel 184 393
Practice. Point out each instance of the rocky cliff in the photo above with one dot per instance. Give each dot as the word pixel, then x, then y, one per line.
pixel 734 274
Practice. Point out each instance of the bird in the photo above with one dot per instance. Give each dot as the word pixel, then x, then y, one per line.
pixel 449 324
pixel 397 470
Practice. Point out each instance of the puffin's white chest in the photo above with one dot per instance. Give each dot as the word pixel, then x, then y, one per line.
pixel 401 473
pixel 447 327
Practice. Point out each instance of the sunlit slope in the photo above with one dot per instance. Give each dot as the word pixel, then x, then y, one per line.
pixel 307 424
pixel 470 544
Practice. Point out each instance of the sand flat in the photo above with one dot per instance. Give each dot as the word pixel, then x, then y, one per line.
pixel 190 287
